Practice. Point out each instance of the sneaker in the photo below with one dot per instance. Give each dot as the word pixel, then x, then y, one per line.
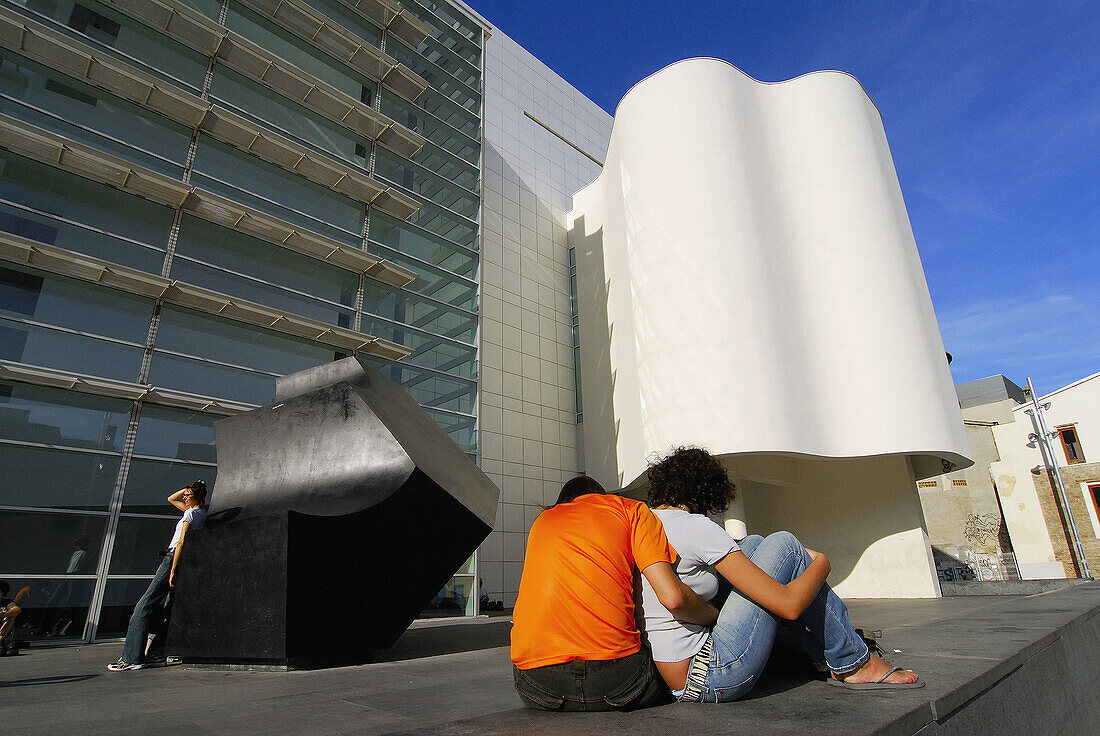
pixel 155 662
pixel 122 666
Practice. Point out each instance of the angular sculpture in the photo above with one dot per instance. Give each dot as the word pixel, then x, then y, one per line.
pixel 339 511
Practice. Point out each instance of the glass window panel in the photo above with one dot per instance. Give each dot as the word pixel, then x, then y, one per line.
pixel 448 24
pixel 453 169
pixel 57 417
pixel 445 76
pixel 456 598
pixel 80 481
pixel 38 543
pixel 68 352
pixel 407 308
pixel 209 8
pixel 73 304
pixel 205 336
pixel 390 166
pixel 420 244
pixel 430 281
pixel 349 19
pixel 443 135
pixel 149 483
pixel 130 37
pixel 84 110
pixel 175 433
pixel 223 247
pixel 57 192
pixel 433 389
pixel 261 103
pixel 51 609
pixel 272 296
pixel 210 379
pixel 447 225
pixel 459 428
pixel 278 192
pixel 298 51
pixel 138 542
pixel 119 597
pixel 452 63
pixel 47 229
pixel 428 350
pixel 62 479
pixel 450 112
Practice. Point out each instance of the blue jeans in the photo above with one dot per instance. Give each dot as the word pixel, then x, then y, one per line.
pixel 742 637
pixel 148 611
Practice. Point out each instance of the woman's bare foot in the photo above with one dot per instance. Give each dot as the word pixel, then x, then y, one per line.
pixel 877 669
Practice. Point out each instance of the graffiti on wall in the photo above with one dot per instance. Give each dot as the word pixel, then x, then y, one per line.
pixel 982 529
pixel 955 564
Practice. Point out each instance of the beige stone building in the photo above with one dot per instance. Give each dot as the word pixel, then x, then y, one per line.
pixel 962 510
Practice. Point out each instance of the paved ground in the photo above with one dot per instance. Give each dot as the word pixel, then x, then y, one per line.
pixel 455 678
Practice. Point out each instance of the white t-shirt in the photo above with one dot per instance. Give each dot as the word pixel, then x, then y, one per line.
pixel 193 516
pixel 701 543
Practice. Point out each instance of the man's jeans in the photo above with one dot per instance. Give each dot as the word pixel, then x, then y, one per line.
pixel 613 684
pixel 744 633
pixel 148 611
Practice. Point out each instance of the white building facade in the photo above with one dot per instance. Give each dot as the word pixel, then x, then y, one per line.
pixel 1028 485
pixel 748 281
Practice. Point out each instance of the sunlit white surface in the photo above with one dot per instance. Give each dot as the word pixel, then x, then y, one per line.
pixel 748 280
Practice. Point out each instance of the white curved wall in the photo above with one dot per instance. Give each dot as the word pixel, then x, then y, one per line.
pixel 762 287
pixel 748 281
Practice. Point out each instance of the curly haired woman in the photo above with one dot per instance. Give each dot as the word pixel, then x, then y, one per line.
pixel 774 578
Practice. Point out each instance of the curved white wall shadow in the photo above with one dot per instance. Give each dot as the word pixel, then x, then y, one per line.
pixel 748 280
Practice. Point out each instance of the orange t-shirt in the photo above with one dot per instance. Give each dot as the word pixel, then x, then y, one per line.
pixel 576 596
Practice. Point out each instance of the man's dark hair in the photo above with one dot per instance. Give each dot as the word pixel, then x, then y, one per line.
pixel 577 487
pixel 690 477
pixel 198 491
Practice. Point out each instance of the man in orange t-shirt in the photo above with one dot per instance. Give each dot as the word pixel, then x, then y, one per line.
pixel 575 643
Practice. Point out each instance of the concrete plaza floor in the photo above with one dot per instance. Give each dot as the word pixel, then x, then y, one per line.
pixel 993 664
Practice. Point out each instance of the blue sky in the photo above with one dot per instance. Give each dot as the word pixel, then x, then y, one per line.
pixel 992 110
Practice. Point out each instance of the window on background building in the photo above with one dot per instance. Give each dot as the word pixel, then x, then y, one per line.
pixel 1071 444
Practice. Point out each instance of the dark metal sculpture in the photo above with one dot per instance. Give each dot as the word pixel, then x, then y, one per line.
pixel 339 511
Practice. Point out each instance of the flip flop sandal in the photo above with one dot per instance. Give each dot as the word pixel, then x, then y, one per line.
pixel 880 685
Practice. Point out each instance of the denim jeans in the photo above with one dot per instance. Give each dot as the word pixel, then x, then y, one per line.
pixel 744 633
pixel 147 612
pixel 613 684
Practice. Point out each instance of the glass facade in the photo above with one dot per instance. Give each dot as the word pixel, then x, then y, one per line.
pixel 95 450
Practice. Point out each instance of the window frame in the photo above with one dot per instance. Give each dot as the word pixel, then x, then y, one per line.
pixel 1073 456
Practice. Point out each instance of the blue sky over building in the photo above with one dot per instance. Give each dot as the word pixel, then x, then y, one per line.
pixel 993 117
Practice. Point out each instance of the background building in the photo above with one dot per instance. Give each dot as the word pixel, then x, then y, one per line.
pixel 196 197
pixel 1003 518
pixel 1033 511
pixel 966 528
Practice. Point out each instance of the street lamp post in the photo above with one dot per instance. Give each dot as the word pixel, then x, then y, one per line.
pixel 1043 437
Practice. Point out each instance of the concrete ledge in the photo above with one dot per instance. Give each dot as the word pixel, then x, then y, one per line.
pixel 1008 587
pixel 993 664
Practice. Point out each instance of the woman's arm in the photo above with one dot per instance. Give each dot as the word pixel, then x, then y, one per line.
pixel 786 601
pixel 176 554
pixel 174 499
pixel 680 600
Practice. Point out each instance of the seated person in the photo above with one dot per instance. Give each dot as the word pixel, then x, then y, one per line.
pixel 575 643
pixel 775 580
pixel 9 611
